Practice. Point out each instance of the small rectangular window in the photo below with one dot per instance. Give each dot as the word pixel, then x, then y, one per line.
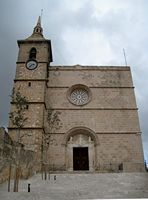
pixel 29 84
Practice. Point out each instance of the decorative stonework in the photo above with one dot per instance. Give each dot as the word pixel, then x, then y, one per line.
pixel 76 141
pixel 79 95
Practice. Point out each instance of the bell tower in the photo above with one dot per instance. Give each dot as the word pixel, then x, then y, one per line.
pixel 34 58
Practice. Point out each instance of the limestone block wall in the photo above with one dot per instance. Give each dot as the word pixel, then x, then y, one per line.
pixel 23 73
pixel 90 75
pixel 34 115
pixel 119 148
pixel 111 114
pixel 100 121
pixel 32 90
pixel 57 153
pixel 113 149
pixel 100 98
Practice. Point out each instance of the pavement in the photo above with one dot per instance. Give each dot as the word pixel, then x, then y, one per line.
pixel 80 186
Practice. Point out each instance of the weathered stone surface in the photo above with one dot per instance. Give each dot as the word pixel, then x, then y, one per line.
pixel 109 119
pixel 8 157
pixel 81 186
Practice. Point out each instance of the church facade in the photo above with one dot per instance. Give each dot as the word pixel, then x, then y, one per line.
pixel 98 126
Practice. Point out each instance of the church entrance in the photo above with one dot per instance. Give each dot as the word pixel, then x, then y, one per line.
pixel 80 151
pixel 80 158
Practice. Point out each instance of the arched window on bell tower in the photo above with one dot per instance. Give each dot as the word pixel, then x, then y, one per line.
pixel 32 54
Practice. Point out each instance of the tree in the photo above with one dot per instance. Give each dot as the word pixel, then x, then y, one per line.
pixel 54 123
pixel 18 119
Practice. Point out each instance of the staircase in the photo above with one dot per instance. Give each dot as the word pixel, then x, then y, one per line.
pixel 81 186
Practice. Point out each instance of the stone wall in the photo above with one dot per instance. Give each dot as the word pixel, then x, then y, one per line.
pixel 111 115
pixel 8 158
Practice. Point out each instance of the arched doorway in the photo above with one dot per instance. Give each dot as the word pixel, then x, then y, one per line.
pixel 80 150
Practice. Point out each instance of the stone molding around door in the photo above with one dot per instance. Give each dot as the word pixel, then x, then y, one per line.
pixel 80 138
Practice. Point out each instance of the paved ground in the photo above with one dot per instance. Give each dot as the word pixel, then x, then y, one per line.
pixel 81 186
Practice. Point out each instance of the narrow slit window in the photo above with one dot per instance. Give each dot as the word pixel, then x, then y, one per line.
pixel 29 84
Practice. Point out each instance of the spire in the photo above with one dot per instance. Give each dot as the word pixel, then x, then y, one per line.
pixel 37 31
pixel 38 28
pixel 39 21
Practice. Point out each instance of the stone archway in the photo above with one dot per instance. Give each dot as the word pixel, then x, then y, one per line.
pixel 80 150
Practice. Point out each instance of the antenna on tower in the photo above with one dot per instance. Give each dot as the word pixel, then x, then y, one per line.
pixel 124 56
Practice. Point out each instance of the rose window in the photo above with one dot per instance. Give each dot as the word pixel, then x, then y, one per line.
pixel 79 96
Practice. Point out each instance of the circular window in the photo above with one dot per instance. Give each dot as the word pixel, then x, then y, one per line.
pixel 79 95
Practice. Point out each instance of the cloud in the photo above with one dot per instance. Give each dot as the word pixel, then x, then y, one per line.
pixel 97 28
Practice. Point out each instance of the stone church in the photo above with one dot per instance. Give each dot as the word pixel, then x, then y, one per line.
pixel 99 126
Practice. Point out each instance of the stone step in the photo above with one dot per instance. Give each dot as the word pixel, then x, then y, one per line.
pixel 81 186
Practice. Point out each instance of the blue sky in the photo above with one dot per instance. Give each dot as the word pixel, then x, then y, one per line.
pixel 82 32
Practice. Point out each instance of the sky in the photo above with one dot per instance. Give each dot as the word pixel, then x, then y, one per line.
pixel 82 32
